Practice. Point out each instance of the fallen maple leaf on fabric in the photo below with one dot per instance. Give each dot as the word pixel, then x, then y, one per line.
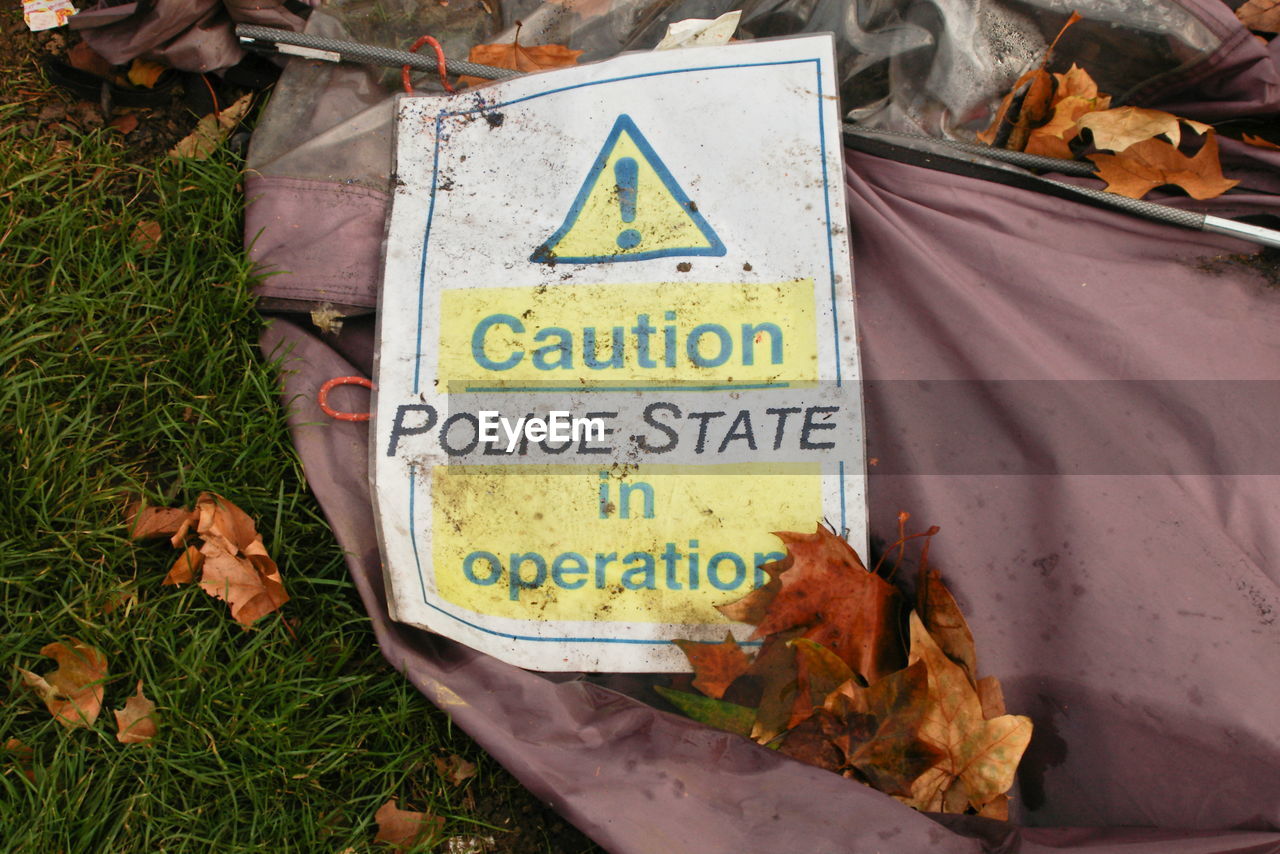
pixel 1074 96
pixel 823 690
pixel 1118 129
pixel 1028 103
pixel 73 691
pixel 403 829
pixel 715 665
pixel 211 130
pixel 518 57
pixel 1259 142
pixel 1152 163
pixel 827 591
pixel 145 73
pixel 979 754
pixel 137 722
pixel 1260 15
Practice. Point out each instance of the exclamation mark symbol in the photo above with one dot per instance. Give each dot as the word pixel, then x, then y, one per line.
pixel 627 173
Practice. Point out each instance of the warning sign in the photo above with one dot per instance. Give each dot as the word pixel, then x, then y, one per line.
pixel 616 349
pixel 608 222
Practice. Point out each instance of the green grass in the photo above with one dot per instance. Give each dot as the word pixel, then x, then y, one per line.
pixel 126 372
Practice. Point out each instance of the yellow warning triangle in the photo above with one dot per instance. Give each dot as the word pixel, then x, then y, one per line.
pixel 630 208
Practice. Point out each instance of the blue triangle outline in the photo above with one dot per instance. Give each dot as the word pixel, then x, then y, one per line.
pixel 545 254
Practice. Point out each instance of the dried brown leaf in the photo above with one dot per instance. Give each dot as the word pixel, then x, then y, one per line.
pixel 897 753
pixel 1260 15
pixel 997 808
pixel 455 769
pixel 991 695
pixel 1153 163
pixel 154 522
pixel 145 73
pixel 519 57
pixel 982 753
pixel 185 567
pixel 219 519
pixel 126 123
pixel 828 592
pixel 250 585
pixel 23 756
pixel 1257 141
pixel 403 829
pixel 147 235
pixel 73 691
pixel 715 665
pixel 1118 129
pixel 85 58
pixel 137 722
pixel 211 130
pixel 944 620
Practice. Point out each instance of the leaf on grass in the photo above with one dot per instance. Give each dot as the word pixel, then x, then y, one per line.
pixel 983 754
pixel 1153 163
pixel 455 769
pixel 716 713
pixel 224 522
pixel 137 722
pixel 715 665
pixel 185 567
pixel 145 73
pixel 1260 15
pixel 250 584
pixel 212 130
pixel 841 605
pixel 146 236
pixel 154 522
pixel 1259 142
pixel 1118 129
pixel 126 123
pixel 23 757
pixel 404 829
pixel 73 692
pixel 518 57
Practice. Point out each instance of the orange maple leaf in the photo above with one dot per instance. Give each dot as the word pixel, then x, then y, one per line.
pixel 518 57
pixel 73 692
pixel 137 722
pixel 715 665
pixel 1152 163
pixel 1260 15
pixel 404 829
pixel 828 593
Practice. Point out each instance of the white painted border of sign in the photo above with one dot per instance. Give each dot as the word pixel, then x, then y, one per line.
pixel 839 487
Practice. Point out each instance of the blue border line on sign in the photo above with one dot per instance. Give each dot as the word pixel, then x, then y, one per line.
pixel 422 278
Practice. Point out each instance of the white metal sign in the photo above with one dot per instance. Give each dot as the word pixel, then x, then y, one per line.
pixel 616 349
